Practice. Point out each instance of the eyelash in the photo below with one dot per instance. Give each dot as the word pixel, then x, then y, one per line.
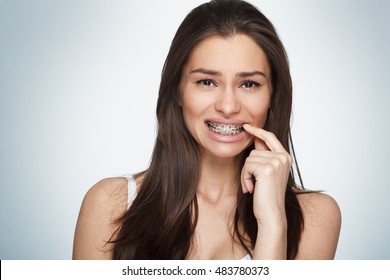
pixel 202 81
pixel 254 84
pixel 211 82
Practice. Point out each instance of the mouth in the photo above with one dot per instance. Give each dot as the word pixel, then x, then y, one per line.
pixel 225 129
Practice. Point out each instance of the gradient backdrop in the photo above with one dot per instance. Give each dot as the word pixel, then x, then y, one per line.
pixel 78 88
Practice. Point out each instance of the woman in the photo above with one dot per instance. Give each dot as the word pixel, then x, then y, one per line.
pixel 221 183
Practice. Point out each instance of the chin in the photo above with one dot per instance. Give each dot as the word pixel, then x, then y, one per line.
pixel 226 152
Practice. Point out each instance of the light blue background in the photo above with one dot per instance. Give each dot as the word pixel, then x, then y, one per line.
pixel 78 88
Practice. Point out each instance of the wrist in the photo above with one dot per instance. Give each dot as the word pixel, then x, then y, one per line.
pixel 273 223
pixel 271 242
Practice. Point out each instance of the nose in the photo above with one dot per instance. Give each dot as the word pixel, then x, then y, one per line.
pixel 227 102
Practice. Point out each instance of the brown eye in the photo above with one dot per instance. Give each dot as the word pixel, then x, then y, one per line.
pixel 250 84
pixel 206 82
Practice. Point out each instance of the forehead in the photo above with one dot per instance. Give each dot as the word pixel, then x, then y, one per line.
pixel 237 53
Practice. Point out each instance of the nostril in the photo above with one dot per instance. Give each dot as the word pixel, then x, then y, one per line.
pixel 228 104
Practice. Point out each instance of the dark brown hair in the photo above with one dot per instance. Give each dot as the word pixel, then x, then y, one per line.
pixel 161 220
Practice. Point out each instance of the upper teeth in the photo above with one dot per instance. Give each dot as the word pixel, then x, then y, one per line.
pixel 225 129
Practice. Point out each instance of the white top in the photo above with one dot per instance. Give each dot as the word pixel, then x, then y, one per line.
pixel 132 193
pixel 131 190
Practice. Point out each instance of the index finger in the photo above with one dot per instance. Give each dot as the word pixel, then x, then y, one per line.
pixel 268 137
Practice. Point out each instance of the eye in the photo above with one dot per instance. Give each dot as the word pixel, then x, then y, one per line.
pixel 250 85
pixel 206 83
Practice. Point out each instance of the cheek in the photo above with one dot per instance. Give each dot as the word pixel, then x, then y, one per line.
pixel 187 115
pixel 261 119
pixel 190 113
pixel 259 111
pixel 189 108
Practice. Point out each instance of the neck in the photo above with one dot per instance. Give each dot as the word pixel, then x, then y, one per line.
pixel 219 177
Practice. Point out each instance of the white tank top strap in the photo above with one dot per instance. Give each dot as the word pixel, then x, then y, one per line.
pixel 131 189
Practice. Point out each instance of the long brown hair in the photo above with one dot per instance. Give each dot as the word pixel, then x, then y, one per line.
pixel 161 220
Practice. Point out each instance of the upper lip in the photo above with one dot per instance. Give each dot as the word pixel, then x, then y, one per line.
pixel 226 121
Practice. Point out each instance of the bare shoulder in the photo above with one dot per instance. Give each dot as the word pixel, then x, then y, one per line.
pixel 322 224
pixel 318 205
pixel 103 204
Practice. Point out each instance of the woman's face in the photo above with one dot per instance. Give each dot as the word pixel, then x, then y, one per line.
pixel 225 83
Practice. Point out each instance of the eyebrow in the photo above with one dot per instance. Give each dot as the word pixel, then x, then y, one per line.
pixel 250 74
pixel 217 73
pixel 206 71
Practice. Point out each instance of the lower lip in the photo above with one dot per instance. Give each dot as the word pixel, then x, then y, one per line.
pixel 224 138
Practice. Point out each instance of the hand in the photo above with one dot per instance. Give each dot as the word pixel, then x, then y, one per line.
pixel 269 164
